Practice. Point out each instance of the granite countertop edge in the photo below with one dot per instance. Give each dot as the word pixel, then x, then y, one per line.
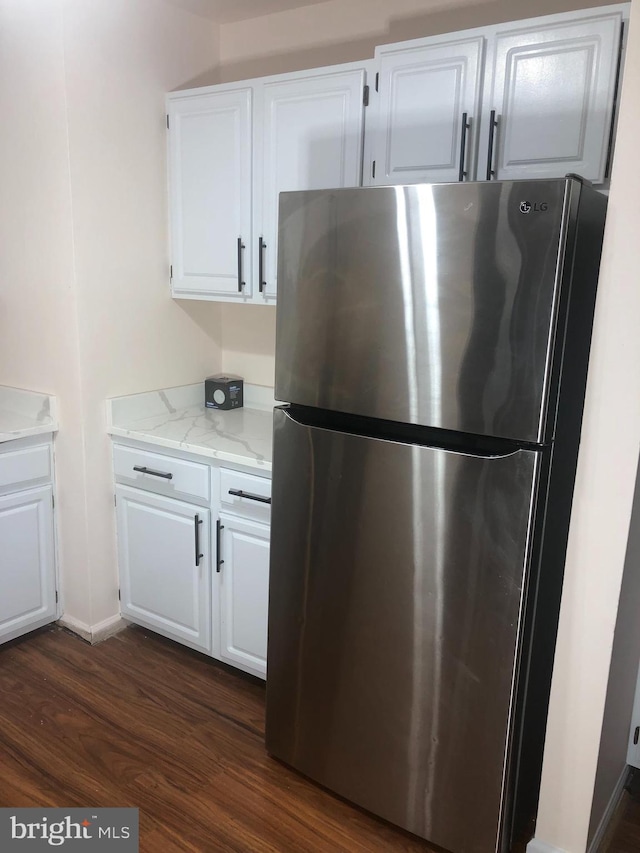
pixel 27 432
pixel 196 449
pixel 25 413
pixel 177 419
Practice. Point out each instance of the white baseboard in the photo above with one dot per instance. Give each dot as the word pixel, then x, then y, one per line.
pixel 80 628
pixel 107 628
pixel 537 846
pixel 93 633
pixel 608 812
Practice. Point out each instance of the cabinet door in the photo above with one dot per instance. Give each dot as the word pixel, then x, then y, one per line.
pixel 244 593
pixel 210 193
pixel 633 752
pixel 27 562
pixel 312 128
pixel 552 91
pixel 425 93
pixel 163 553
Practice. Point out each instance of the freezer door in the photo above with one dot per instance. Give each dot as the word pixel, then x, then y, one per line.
pixel 396 589
pixel 426 304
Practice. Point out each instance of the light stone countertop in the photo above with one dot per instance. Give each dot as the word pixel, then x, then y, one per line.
pixel 176 418
pixel 24 413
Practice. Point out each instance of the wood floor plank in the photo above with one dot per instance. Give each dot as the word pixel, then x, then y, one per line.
pixel 139 721
pixel 626 838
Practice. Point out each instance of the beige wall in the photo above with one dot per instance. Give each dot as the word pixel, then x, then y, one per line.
pixel 346 30
pixel 603 500
pixel 85 306
pixel 121 58
pixel 342 30
pixel 614 741
pixel 38 300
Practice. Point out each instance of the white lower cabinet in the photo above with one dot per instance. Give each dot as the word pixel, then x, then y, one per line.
pixel 165 565
pixel 193 552
pixel 28 597
pixel 243 569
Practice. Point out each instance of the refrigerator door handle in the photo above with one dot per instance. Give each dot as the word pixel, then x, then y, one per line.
pixel 487 448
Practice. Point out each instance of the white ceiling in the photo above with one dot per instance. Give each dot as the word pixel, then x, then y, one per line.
pixel 226 11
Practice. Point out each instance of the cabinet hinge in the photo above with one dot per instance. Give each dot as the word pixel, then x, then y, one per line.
pixel 365 96
pixel 377 79
pixel 56 596
pixel 167 121
pixel 118 595
pixel 53 501
pixel 373 169
pixel 171 273
pixel 115 500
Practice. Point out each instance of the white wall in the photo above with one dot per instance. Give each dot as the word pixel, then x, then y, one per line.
pixel 346 30
pixel 121 58
pixel 603 499
pixel 38 300
pixel 86 311
pixel 341 30
pixel 623 673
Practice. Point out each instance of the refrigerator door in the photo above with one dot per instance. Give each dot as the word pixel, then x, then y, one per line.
pixel 426 304
pixel 396 593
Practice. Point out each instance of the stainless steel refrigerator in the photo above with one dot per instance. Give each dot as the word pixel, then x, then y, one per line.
pixel 432 347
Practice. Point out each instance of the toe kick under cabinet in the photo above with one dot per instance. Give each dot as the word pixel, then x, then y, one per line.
pixel 193 551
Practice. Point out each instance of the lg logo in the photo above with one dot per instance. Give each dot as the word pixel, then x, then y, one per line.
pixel 537 207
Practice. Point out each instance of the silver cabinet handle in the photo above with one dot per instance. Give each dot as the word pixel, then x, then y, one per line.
pixel 262 284
pixel 241 283
pixel 240 494
pixel 219 561
pixel 164 474
pixel 493 126
pixel 463 146
pixel 197 522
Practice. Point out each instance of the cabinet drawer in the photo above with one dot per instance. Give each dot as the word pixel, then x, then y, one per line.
pixel 25 466
pixel 165 475
pixel 245 494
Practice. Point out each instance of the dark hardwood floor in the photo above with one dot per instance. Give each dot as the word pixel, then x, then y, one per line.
pixel 140 721
pixel 624 835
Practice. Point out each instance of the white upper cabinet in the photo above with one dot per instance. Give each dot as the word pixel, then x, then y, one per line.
pixel 532 99
pixel 312 127
pixel 428 108
pixel 551 88
pixel 296 131
pixel 210 187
